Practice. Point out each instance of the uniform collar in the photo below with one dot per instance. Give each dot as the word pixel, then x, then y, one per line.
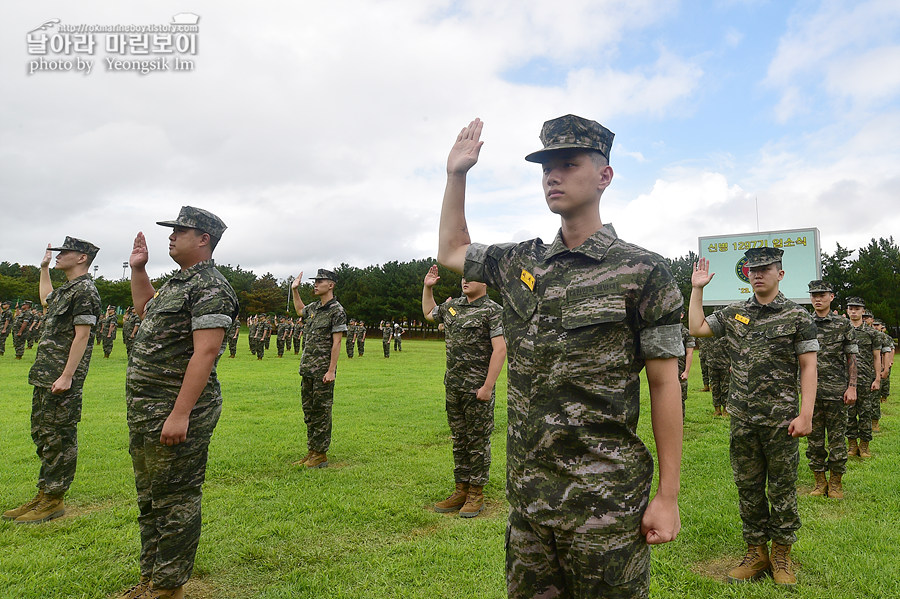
pixel 184 275
pixel 775 305
pixel 77 279
pixel 464 301
pixel 594 246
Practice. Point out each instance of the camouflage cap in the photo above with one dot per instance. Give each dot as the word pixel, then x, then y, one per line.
pixel 855 301
pixel 5 303
pixel 868 314
pixel 325 274
pixel 820 286
pixel 878 322
pixel 763 256
pixel 197 218
pixel 73 244
pixel 26 303
pixel 573 132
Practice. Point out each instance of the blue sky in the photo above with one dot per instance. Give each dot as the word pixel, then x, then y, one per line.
pixel 320 132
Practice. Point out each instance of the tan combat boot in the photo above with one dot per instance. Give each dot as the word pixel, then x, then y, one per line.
pixel 455 501
pixel 317 460
pixel 474 503
pixel 304 460
pixel 25 507
pixel 48 508
pixel 753 565
pixel 155 593
pixel 138 590
pixel 864 449
pixel 782 566
pixel 821 485
pixel 875 426
pixel 718 410
pixel 852 447
pixel 835 488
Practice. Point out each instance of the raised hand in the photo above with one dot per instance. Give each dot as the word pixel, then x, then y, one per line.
pixel 139 253
pixel 431 277
pixel 297 281
pixel 701 275
pixel 48 255
pixel 464 153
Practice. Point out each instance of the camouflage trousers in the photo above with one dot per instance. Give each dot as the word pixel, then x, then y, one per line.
pixel 316 399
pixel 860 414
pixel 3 337
pixel 169 482
pixel 260 346
pixel 704 368
pixel 296 345
pixel 54 430
pixel 829 417
pixel 108 345
pixel 387 348
pixel 360 346
pixel 232 346
pixel 684 388
pixel 287 343
pixel 471 424
pixel 764 456
pixel 129 342
pixel 718 384
pixel 398 344
pixel 349 345
pixel 19 344
pixel 279 345
pixel 553 563
pixel 885 383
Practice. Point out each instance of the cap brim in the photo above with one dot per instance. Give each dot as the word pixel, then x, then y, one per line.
pixel 541 154
pixel 169 223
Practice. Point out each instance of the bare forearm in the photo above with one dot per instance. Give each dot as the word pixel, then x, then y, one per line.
pixel 45 286
pixel 141 289
pixel 665 415
pixel 298 303
pixel 498 356
pixel 453 234
pixel 196 376
pixel 696 319
pixel 808 384
pixel 851 369
pixel 335 352
pixel 428 303
pixel 76 351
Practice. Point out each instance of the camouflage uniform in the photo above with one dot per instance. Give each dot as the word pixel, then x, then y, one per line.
pixel 169 479
pixel 704 368
pixel 234 331
pixel 34 330
pixel 282 332
pixel 398 331
pixel 6 318
pixel 469 328
pixel 837 341
pixel 579 325
pixel 110 326
pixel 55 417
pixel 361 338
pixel 298 335
pixel 719 367
pixel 350 340
pixel 688 342
pixel 25 317
pixel 290 334
pixel 886 345
pixel 387 331
pixel 252 325
pixel 859 415
pixel 128 325
pixel 764 342
pixel 885 383
pixel 316 397
pixel 263 331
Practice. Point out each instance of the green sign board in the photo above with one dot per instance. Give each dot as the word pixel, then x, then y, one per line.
pixel 801 262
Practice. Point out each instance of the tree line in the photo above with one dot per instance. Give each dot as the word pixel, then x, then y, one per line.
pixel 393 290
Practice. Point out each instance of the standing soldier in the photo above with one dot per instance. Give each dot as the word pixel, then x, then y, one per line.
pixel 684 364
pixel 252 324
pixel 128 325
pixel 290 334
pixel 887 354
pixel 475 355
pixel 34 329
pixel 110 325
pixel 283 333
pixel 836 367
pixel 21 322
pixel 868 365
pixel 173 396
pixel 298 334
pixel 6 317
pixel 718 364
pixel 234 331
pixel 351 338
pixel 325 322
pixel 704 368
pixel 60 367
pixel 398 343
pixel 387 332
pixel 263 330
pixel 886 368
pixel 769 338
pixel 361 338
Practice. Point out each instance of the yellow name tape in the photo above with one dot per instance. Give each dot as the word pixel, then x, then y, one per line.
pixel 740 318
pixel 527 278
pixel 452 311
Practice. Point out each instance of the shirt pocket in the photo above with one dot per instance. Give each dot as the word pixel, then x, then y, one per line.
pixel 780 338
pixel 593 310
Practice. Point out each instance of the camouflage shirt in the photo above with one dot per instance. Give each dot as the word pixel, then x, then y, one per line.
pixel 320 321
pixel 193 299
pixel 25 317
pixel 579 325
pixel 717 353
pixel 387 332
pixel 887 344
pixel 74 303
pixel 468 329
pixel 6 321
pixel 283 330
pixel 764 342
pixel 837 340
pixel 688 341
pixel 868 340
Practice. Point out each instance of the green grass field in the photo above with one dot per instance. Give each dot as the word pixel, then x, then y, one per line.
pixel 364 528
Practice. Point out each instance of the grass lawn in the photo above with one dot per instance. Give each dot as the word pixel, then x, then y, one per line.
pixel 364 528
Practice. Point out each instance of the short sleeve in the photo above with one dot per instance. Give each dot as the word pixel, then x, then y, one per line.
pixel 212 306
pixel 495 321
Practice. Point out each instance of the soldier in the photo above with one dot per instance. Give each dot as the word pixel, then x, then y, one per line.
pixel 768 337
pixel 398 331
pixel 282 333
pixel 887 355
pixel 252 324
pixel 60 367
pixel 6 317
pixel 34 329
pixel 684 364
pixel 128 324
pixel 173 396
pixel 387 331
pixel 290 334
pixel 351 338
pixel 704 368
pixel 582 317
pixel 836 374
pixel 325 322
pixel 475 355
pixel 298 334
pixel 719 366
pixel 886 368
pixel 234 331
pixel 110 325
pixel 21 322
pixel 361 338
pixel 868 365
pixel 263 331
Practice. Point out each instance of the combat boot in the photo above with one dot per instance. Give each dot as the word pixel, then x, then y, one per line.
pixel 138 590
pixel 25 507
pixel 304 460
pixel 317 460
pixel 782 566
pixel 835 488
pixel 864 449
pixel 753 565
pixel 48 508
pixel 474 503
pixel 875 426
pixel 455 501
pixel 852 447
pixel 821 484
pixel 718 410
pixel 155 593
